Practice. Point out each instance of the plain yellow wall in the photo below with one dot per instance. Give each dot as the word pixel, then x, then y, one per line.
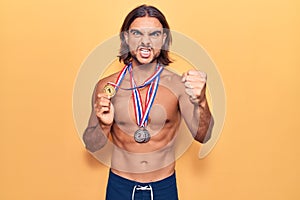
pixel 255 45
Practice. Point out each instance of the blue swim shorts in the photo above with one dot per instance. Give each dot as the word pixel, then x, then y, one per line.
pixel 119 188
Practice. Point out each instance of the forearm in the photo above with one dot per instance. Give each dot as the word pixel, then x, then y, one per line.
pixel 95 135
pixel 94 138
pixel 205 122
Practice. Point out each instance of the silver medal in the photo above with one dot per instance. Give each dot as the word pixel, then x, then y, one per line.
pixel 142 135
pixel 147 136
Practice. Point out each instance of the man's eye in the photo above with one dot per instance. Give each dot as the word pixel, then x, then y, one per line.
pixel 136 33
pixel 155 34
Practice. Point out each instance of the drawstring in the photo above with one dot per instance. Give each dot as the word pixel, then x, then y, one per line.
pixel 138 187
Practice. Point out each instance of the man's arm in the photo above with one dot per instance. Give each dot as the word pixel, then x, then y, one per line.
pixel 194 106
pixel 206 122
pixel 96 134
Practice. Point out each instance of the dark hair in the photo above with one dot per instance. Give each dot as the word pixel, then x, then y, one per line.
pixel 143 11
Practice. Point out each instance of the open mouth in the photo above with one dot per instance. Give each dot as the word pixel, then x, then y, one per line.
pixel 144 52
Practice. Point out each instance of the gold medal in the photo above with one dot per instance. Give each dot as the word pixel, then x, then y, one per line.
pixel 109 90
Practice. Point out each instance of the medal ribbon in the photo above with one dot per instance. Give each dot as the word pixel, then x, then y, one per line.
pixel 141 113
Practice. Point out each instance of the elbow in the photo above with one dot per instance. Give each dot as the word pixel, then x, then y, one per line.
pixel 209 131
pixel 89 144
pixel 203 139
pixel 93 141
pixel 206 138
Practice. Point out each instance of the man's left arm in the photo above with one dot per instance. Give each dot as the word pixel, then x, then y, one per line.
pixel 201 121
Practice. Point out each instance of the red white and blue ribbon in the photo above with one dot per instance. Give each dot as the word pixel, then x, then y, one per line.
pixel 141 113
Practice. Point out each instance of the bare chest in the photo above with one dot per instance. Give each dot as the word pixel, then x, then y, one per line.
pixel 163 111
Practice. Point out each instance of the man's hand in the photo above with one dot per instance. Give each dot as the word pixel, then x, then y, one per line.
pixel 195 85
pixel 104 109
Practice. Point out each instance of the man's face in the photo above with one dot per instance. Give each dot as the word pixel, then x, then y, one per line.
pixel 145 38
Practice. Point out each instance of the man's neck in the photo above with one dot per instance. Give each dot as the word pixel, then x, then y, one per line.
pixel 143 72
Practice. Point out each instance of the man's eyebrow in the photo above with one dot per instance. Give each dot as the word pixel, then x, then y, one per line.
pixel 134 30
pixel 157 31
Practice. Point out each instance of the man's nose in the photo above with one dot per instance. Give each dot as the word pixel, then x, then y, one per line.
pixel 146 40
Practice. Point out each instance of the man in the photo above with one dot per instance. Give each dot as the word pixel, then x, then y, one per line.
pixel 140 109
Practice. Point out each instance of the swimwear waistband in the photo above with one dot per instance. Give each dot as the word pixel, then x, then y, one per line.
pixel 157 185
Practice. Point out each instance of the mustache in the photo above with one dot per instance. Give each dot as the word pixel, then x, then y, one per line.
pixel 142 46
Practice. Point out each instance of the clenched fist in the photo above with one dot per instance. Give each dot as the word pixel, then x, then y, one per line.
pixel 195 85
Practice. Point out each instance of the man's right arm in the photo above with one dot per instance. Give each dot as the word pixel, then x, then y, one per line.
pixel 96 134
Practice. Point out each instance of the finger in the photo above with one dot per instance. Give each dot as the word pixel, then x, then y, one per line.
pixel 103 95
pixel 104 104
pixel 184 75
pixel 104 109
pixel 193 72
pixel 188 84
pixel 194 78
pixel 194 91
pixel 189 92
pixel 103 98
pixel 197 73
pixel 194 85
pixel 203 75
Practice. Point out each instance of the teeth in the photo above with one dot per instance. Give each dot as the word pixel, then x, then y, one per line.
pixel 144 50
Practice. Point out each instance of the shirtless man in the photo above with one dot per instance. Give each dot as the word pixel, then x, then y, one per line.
pixel 142 123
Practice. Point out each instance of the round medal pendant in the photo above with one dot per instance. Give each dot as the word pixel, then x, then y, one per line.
pixel 109 90
pixel 142 135
pixel 147 136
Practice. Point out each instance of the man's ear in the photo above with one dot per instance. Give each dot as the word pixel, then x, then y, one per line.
pixel 164 37
pixel 126 37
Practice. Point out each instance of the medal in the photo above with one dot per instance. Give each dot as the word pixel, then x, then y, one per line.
pixel 142 113
pixel 109 90
pixel 142 135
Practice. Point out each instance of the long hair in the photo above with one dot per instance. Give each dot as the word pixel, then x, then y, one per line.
pixel 143 11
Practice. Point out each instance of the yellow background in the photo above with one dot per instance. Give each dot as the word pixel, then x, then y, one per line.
pixel 255 45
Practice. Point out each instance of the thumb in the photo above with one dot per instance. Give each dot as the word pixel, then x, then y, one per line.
pixel 183 77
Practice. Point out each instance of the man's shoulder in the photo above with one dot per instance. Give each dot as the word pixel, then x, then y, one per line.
pixel 171 80
pixel 110 78
pixel 171 75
